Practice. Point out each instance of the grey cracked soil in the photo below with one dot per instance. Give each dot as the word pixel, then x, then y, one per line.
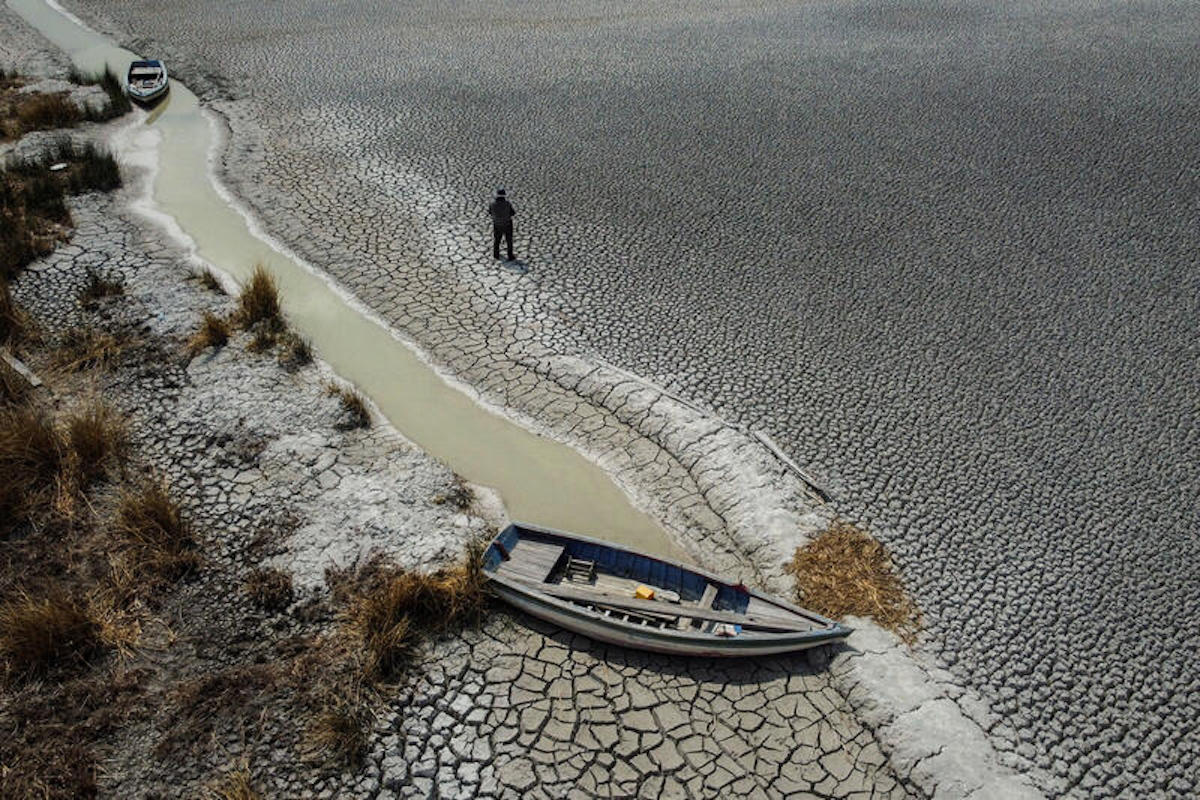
pixel 945 252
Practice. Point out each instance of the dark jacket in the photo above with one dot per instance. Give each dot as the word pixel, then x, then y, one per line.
pixel 501 212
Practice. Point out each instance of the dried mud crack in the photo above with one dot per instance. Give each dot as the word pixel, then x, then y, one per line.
pixel 255 501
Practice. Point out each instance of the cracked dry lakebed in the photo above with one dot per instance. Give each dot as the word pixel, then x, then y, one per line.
pixel 944 253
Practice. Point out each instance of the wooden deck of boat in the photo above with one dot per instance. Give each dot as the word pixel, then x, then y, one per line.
pixel 769 612
pixel 531 561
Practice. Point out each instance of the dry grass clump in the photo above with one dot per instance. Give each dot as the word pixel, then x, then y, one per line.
pixel 386 631
pixel 88 168
pixel 294 351
pixel 237 785
pixel 338 734
pixel 48 750
pixel 14 389
pixel 355 413
pixel 259 300
pixel 42 112
pixel 86 348
pixel 259 311
pixel 98 287
pixel 270 589
pixel 266 336
pixel 31 455
pixel 394 607
pixel 208 280
pixel 159 542
pixel 98 440
pixel 213 332
pixel 845 572
pixel 12 320
pixel 44 466
pixel 92 170
pixel 460 495
pixel 44 635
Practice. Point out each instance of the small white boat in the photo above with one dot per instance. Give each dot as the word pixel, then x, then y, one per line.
pixel 640 601
pixel 147 81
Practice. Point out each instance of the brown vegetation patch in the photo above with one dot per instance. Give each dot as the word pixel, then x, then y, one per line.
pixel 208 280
pixel 266 335
pixel 33 211
pixel 42 112
pixel 22 112
pixel 213 332
pixel 355 413
pixel 118 102
pixel 338 734
pixel 99 287
pixel 14 389
pixel 270 589
pixel 391 607
pixel 31 454
pixel 294 351
pixel 259 300
pixel 46 465
pixel 845 572
pixel 203 704
pixel 237 785
pixel 48 750
pixel 86 348
pixel 30 223
pixel 460 495
pixel 160 546
pixel 98 439
pixel 46 634
pixel 12 319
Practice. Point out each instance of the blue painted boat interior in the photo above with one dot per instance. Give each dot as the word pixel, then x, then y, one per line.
pixel 614 561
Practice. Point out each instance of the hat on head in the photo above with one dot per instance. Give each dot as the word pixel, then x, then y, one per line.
pixel 500 192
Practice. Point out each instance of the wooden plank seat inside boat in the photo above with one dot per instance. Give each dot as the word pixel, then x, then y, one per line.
pixel 531 561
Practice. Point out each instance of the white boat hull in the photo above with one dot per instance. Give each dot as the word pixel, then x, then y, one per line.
pixel 148 97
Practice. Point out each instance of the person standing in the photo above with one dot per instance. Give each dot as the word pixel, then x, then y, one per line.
pixel 502 213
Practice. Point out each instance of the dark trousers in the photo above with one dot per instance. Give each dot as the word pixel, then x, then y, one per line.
pixel 502 232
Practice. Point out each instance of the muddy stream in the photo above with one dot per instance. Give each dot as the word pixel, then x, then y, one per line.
pixel 540 480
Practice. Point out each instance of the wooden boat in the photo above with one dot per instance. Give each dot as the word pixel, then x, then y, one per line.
pixel 636 600
pixel 147 81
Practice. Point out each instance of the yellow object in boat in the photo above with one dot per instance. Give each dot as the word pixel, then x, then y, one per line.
pixel 643 593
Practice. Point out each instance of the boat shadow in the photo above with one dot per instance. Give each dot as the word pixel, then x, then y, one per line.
pixel 740 671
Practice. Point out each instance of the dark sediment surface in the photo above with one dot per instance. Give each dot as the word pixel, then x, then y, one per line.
pixel 947 253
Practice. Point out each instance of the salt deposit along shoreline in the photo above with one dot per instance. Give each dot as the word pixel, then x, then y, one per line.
pixel 910 719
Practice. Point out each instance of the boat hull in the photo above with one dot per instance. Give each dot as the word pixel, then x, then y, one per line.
pixel 712 648
pixel 524 578
pixel 150 98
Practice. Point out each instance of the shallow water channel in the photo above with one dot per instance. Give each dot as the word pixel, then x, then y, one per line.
pixel 540 480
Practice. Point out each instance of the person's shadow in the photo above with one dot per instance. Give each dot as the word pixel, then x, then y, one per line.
pixel 516 265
